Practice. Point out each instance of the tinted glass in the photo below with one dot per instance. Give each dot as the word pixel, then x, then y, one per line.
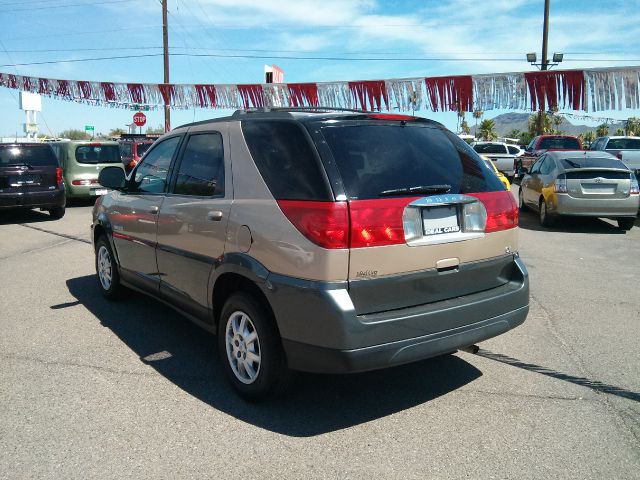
pixel 547 166
pixel 201 170
pixel 125 149
pixel 566 143
pixel 151 174
pixel 376 157
pixel 489 148
pixel 142 148
pixel 513 150
pixel 34 155
pixel 286 160
pixel 582 162
pixel 97 153
pixel 624 144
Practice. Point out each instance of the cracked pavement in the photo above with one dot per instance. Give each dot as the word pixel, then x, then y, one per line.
pixel 93 389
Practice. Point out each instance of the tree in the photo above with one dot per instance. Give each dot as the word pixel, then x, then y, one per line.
pixel 488 130
pixel 477 114
pixel 602 130
pixel 632 126
pixel 116 132
pixel 158 129
pixel 73 134
pixel 589 137
pixel 515 133
pixel 461 114
pixel 620 132
pixel 464 127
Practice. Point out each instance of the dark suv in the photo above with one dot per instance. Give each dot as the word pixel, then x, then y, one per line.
pixel 30 177
pixel 319 241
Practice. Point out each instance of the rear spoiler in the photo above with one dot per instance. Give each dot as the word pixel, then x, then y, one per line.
pixel 597 169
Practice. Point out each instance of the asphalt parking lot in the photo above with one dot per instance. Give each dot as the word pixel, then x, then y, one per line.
pixel 93 389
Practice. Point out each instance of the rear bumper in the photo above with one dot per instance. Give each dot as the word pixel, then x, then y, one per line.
pixel 321 331
pixel 42 199
pixel 612 207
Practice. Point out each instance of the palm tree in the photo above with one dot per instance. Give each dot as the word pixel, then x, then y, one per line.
pixel 464 127
pixel 589 137
pixel 461 114
pixel 488 130
pixel 620 132
pixel 602 130
pixel 477 114
pixel 632 126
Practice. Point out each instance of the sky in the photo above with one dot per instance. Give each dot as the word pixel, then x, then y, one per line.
pixel 366 39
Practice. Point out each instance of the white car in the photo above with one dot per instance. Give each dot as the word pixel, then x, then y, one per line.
pixel 501 154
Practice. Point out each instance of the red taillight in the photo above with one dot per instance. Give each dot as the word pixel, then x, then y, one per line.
pixel 502 210
pixel 58 176
pixel 87 181
pixel 324 223
pixel 619 155
pixel 377 222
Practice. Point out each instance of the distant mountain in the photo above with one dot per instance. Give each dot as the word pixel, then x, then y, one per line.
pixel 520 121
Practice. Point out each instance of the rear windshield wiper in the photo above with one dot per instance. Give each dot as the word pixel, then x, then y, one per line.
pixel 573 164
pixel 431 189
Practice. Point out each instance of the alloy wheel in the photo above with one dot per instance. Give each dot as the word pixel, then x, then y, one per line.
pixel 243 347
pixel 105 273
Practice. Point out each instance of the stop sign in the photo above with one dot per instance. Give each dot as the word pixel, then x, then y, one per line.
pixel 139 119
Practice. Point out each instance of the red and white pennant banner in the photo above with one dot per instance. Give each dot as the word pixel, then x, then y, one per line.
pixel 586 90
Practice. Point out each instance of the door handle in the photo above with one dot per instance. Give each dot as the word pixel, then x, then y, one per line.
pixel 214 215
pixel 153 210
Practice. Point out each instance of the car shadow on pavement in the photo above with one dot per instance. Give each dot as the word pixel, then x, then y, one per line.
pixel 315 404
pixel 594 385
pixel 528 220
pixel 24 216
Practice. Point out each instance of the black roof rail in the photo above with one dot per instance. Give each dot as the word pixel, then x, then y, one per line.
pixel 319 109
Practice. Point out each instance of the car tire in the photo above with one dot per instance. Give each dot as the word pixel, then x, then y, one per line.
pixel 250 349
pixel 626 224
pixel 546 219
pixel 57 212
pixel 107 270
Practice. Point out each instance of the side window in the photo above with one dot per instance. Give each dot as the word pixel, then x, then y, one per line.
pixel 201 171
pixel 151 174
pixel 532 144
pixel 125 149
pixel 536 166
pixel 513 150
pixel 547 166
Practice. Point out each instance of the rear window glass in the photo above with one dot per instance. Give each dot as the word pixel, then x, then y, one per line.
pixel 97 154
pixel 374 158
pixel 624 144
pixel 126 150
pixel 34 155
pixel 566 143
pixel 489 148
pixel 286 160
pixel 142 148
pixel 582 162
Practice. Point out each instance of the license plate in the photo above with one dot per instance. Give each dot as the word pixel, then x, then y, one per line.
pixel 440 220
pixel 20 180
pixel 99 191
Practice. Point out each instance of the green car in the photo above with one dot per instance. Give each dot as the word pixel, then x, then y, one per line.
pixel 81 163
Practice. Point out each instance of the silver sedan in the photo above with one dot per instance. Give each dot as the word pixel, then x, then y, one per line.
pixel 593 184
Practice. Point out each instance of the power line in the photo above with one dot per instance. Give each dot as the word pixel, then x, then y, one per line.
pixel 284 57
pixel 89 32
pixel 91 4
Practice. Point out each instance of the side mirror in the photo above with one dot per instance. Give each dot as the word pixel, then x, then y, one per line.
pixel 112 177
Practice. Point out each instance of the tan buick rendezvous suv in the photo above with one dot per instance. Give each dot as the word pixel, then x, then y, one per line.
pixel 316 240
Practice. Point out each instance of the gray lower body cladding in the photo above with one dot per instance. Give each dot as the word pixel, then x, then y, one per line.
pixel 33 199
pixel 321 331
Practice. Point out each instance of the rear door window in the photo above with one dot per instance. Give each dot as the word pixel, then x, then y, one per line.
pixel 489 148
pixel 96 153
pixel 201 171
pixel 592 162
pixel 566 143
pixel 624 144
pixel 31 155
pixel 286 159
pixel 377 157
pixel 513 150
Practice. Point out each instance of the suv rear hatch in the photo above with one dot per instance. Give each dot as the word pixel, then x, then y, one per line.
pixel 427 220
pixel 28 168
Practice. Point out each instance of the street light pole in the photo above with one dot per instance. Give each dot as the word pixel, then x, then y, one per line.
pixel 545 63
pixel 165 48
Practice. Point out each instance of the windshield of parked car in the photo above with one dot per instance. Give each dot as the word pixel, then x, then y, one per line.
pixel 489 148
pixel 591 162
pixel 564 143
pixel 32 155
pixel 374 158
pixel 623 144
pixel 98 153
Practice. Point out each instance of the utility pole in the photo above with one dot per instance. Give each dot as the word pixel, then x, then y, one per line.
pixel 165 48
pixel 545 63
